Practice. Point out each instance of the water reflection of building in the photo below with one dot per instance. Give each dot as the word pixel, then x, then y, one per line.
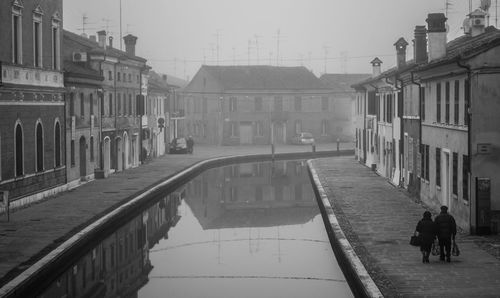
pixel 261 194
pixel 119 265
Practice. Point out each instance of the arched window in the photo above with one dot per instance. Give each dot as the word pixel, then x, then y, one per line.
pixel 92 157
pixel 19 150
pixel 39 147
pixel 57 145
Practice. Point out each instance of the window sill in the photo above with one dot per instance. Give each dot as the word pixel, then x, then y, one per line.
pixel 455 197
pixel 438 188
pixel 466 203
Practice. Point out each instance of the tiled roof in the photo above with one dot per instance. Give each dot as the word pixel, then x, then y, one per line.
pixel 263 77
pixel 342 82
pixel 467 46
pixel 93 47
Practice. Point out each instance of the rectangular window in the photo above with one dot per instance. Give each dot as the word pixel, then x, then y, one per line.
pixel 204 108
pixel 456 105
pixel 119 104
pixel 438 102
pixel 389 108
pixel 422 161
pixel 118 76
pixel 110 75
pixel 258 104
pixel 234 129
pixel 447 102
pixel 372 104
pixel 422 97
pixel 16 39
pixel 427 147
pixel 55 48
pixel 324 127
pixel 298 103
pixel 72 104
pixel 82 104
pixel 130 104
pixel 465 177
pixel 259 129
pixel 111 106
pixel 438 166
pixel 37 44
pixel 91 100
pixel 325 104
pixel 466 101
pixel 278 103
pixel 298 126
pixel 72 153
pixel 91 149
pixel 455 174
pixel 233 103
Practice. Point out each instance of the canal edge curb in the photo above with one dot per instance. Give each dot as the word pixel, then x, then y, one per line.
pixel 47 263
pixel 358 277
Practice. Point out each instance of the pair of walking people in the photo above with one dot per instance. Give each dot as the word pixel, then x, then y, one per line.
pixel 444 227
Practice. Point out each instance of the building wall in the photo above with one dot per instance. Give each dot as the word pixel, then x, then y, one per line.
pixel 485 132
pixel 451 138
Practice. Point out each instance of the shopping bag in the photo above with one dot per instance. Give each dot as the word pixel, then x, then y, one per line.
pixel 415 240
pixel 435 248
pixel 454 249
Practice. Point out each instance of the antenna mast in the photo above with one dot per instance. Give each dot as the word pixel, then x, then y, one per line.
pixel 121 34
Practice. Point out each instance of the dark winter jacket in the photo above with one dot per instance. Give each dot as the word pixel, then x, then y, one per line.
pixel 427 228
pixel 446 226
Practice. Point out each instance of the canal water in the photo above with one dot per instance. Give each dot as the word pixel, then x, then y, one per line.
pixel 247 230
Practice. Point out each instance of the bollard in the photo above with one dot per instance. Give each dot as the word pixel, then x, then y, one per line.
pixel 338 144
pixel 313 147
pixel 272 151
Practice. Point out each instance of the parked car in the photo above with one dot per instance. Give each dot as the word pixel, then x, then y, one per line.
pixel 178 146
pixel 303 138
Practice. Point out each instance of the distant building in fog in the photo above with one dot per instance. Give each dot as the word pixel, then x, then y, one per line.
pixel 233 105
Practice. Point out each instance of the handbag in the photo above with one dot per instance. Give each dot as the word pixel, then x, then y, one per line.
pixel 454 249
pixel 415 240
pixel 435 248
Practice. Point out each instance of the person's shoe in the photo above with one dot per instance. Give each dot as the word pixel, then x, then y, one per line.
pixel 423 259
pixel 448 260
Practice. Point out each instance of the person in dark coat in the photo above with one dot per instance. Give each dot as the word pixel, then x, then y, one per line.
pixel 446 230
pixel 426 229
pixel 190 144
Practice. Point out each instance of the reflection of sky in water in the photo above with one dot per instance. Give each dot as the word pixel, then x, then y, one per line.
pixel 238 236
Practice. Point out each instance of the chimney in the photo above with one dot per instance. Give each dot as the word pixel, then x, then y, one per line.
pixel 102 38
pixel 93 38
pixel 420 45
pixel 111 41
pixel 477 22
pixel 164 78
pixel 436 29
pixel 401 45
pixel 130 42
pixel 376 66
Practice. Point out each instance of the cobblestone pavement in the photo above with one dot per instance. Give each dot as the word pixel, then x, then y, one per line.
pixel 378 219
pixel 35 230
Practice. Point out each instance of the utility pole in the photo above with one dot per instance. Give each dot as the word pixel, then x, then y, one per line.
pixel 217 35
pixel 325 48
pixel 121 34
pixel 248 50
pixel 344 58
pixel 257 46
pixel 447 5
pixel 278 48
pixel 496 14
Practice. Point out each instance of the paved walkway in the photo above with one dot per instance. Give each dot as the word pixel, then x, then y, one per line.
pixel 379 219
pixel 35 230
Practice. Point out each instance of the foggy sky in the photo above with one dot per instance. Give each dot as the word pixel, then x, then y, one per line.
pixel 171 31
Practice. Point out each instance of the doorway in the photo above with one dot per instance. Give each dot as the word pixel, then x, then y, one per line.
pixel 119 157
pixel 83 158
pixel 246 133
pixel 445 190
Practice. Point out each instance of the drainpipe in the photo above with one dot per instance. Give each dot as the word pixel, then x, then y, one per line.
pixel 401 130
pixel 420 95
pixel 469 123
